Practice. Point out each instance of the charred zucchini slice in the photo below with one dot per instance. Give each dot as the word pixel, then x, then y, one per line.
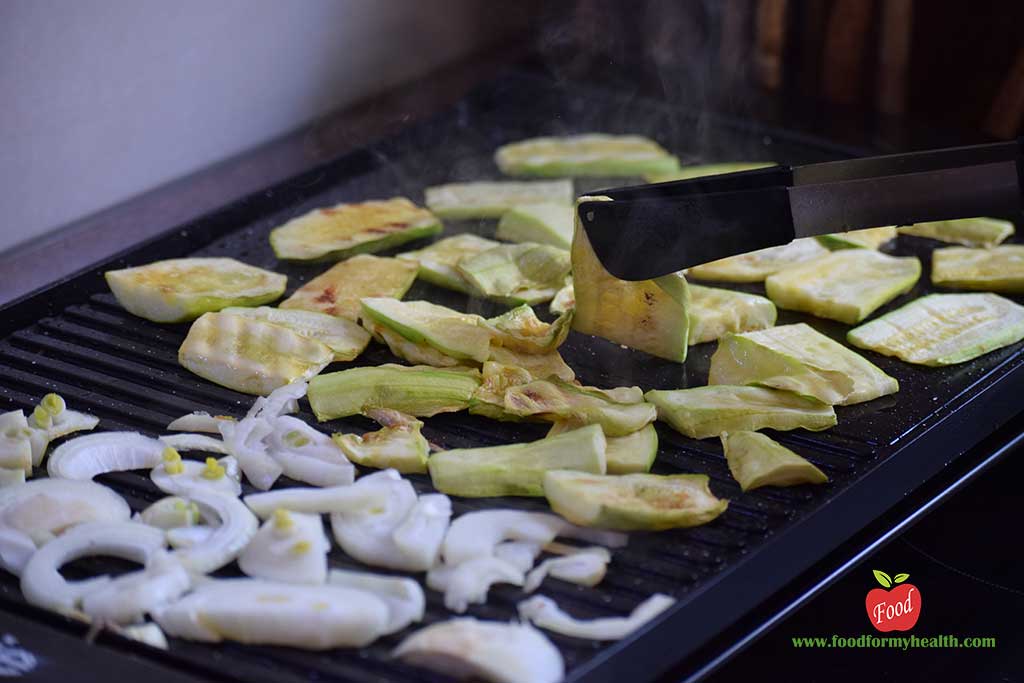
pixel 338 290
pixel 250 355
pixel 183 289
pixel 705 412
pixel 800 359
pixel 629 454
pixel 755 266
pixel 517 469
pixel 847 285
pixel 437 263
pixel 524 273
pixel 1000 269
pixel 398 445
pixel 633 502
pixel 650 316
pixel 970 232
pixel 417 353
pixel 702 170
pixel 715 312
pixel 340 231
pixel 869 238
pixel 591 154
pixel 462 336
pixel 419 391
pixel 619 411
pixel 345 338
pixel 540 223
pixel 491 199
pixel 943 329
pixel 756 460
pixel 521 330
pixel 489 398
pixel 565 299
pixel 539 365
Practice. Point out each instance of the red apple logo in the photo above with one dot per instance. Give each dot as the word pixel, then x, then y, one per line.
pixel 896 609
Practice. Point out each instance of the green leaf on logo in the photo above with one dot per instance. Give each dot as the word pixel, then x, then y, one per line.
pixel 900 578
pixel 882 578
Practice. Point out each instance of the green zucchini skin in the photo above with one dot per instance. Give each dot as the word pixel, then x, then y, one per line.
pixel 420 391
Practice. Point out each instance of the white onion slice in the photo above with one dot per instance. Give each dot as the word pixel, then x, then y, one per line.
pixel 404 597
pixel 84 457
pixel 418 538
pixel 258 612
pixel 9 477
pixel 244 440
pixel 586 567
pixel 41 582
pixel 189 536
pixel 129 597
pixel 490 650
pixel 198 422
pixel 365 493
pixel 64 423
pixel 147 634
pixel 15 442
pixel 367 534
pixel 236 527
pixel 169 513
pixel 544 612
pixel 280 401
pixel 520 554
pixel 467 583
pixel 308 455
pixel 193 476
pixel 194 442
pixel 290 547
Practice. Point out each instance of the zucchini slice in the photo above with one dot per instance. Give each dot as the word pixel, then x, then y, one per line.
pixel 619 411
pixel 943 329
pixel 489 398
pixel 517 469
pixel 541 223
pixel 847 285
pixel 633 502
pixel 462 336
pixel 345 338
pixel 419 391
pixel 800 359
pixel 337 291
pixel 250 355
pixel 715 312
pixel 590 154
pixel 398 444
pixel 565 299
pixel 999 269
pixel 650 315
pixel 521 330
pixel 523 273
pixel 539 365
pixel 970 232
pixel 705 412
pixel 177 290
pixel 340 231
pixel 869 238
pixel 702 170
pixel 755 460
pixel 491 199
pixel 417 353
pixel 437 263
pixel 755 266
pixel 629 454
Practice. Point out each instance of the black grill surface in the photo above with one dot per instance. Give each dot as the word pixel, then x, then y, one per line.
pixel 73 338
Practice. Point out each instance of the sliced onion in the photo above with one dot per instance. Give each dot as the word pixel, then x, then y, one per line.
pixel 15 442
pixel 404 597
pixel 194 442
pixel 189 536
pixel 367 534
pixel 244 440
pixel 490 650
pixel 308 455
pixel 41 582
pixel 64 423
pixel 290 547
pixel 419 536
pixel 85 457
pixel 236 527
pixel 544 612
pixel 198 422
pixel 585 568
pixel 280 401
pixel 129 597
pixel 520 554
pixel 468 583
pixel 194 475
pixel 170 512
pixel 367 492
pixel 147 634
pixel 9 477
pixel 258 612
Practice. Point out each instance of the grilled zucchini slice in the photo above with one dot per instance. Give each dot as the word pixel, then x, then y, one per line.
pixel 250 355
pixel 591 154
pixel 541 223
pixel 419 391
pixel 413 352
pixel 970 232
pixel 715 312
pixel 650 315
pixel 338 290
pixel 705 412
pixel 177 290
pixel 847 285
pixel 462 336
pixel 755 266
pixel 756 460
pixel 539 365
pixel 491 199
pixel 517 469
pixel 398 445
pixel 629 454
pixel 340 231
pixel 619 411
pixel 523 273
pixel 565 299
pixel 800 359
pixel 943 329
pixel 702 170
pixel 869 238
pixel 345 338
pixel 437 263
pixel 633 502
pixel 1000 269
pixel 521 330
pixel 489 398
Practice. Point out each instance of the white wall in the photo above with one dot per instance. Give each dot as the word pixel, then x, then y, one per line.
pixel 103 99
